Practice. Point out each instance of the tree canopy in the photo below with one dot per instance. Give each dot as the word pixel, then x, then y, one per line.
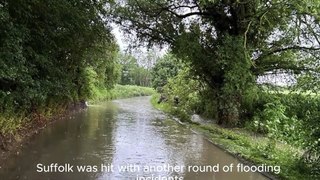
pixel 165 68
pixel 47 49
pixel 230 43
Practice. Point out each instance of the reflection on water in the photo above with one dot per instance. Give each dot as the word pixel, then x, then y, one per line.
pixel 121 132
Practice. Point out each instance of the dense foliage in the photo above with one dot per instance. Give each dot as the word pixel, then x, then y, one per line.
pixel 285 118
pixel 230 43
pixel 165 68
pixel 52 53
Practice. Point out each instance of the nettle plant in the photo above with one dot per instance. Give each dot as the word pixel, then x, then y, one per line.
pixel 278 126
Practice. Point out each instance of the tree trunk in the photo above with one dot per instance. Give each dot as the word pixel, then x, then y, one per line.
pixel 228 110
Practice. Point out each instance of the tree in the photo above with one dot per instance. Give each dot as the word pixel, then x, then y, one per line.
pixel 44 51
pixel 165 68
pixel 229 43
pixel 132 73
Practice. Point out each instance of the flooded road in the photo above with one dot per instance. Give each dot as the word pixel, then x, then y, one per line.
pixel 119 134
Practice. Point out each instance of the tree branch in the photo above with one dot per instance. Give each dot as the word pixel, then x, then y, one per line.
pixel 304 48
pixel 182 16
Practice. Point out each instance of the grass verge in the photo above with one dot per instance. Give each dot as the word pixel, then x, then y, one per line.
pixel 120 92
pixel 248 147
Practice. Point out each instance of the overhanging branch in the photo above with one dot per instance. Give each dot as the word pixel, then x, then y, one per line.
pixel 302 48
pixel 182 16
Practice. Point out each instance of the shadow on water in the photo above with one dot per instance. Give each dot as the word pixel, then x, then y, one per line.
pixel 121 132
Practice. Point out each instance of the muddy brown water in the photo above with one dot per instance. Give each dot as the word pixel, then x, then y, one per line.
pixel 128 132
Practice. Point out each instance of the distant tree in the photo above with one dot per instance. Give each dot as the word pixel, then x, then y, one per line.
pixel 165 68
pixel 133 73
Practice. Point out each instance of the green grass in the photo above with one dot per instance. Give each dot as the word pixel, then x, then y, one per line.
pixel 247 146
pixel 257 150
pixel 287 91
pixel 9 124
pixel 120 92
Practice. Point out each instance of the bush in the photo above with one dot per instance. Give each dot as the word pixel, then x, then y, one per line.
pixel 274 121
pixel 292 118
pixel 183 92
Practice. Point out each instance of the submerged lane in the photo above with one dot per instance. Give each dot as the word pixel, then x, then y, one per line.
pixel 119 133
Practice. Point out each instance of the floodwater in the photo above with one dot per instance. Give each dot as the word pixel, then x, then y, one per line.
pixel 123 133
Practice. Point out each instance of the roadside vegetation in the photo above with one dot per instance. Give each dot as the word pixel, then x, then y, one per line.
pixel 279 129
pixel 120 92
pixel 49 51
pixel 55 56
pixel 249 146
